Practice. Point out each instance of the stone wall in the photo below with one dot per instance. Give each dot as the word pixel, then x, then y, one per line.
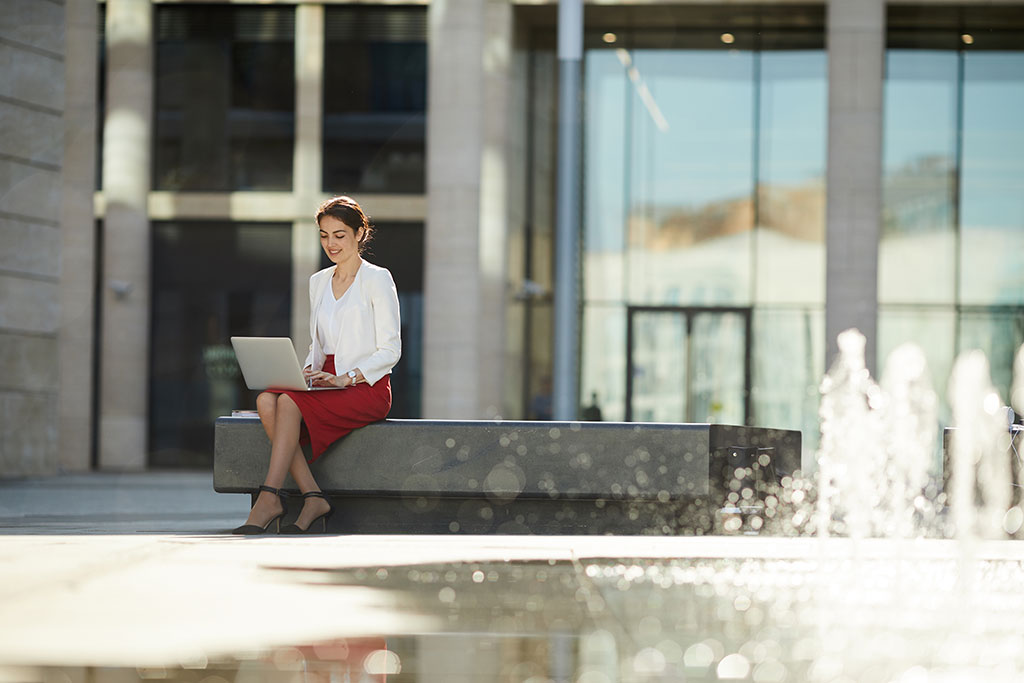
pixel 31 156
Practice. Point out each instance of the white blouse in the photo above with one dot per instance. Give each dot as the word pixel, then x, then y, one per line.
pixel 362 328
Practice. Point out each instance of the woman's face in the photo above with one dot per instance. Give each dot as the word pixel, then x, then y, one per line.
pixel 340 241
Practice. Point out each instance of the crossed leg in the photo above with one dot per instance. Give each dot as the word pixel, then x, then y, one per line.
pixel 282 421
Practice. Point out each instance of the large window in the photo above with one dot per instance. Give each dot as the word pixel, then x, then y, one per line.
pixel 225 98
pixel 375 95
pixel 703 263
pixel 210 281
pixel 953 219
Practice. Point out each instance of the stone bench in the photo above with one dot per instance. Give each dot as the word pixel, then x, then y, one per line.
pixel 439 476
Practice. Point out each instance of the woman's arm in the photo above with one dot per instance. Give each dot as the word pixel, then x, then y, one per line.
pixel 387 324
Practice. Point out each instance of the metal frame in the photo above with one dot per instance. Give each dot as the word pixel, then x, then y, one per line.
pixel 689 312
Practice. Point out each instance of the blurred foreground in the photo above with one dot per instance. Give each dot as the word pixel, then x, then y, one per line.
pixel 131 577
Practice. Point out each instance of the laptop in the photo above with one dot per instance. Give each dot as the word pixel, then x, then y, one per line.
pixel 270 363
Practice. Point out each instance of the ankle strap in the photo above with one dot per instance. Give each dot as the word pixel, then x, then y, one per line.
pixel 271 489
pixel 314 494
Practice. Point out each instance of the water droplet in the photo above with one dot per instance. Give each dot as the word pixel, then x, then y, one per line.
pixel 698 656
pixel 733 667
pixel 382 663
pixel 649 661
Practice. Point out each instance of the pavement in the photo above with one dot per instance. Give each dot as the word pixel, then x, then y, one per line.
pixel 135 575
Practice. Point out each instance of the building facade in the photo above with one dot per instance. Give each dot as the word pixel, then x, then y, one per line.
pixel 756 177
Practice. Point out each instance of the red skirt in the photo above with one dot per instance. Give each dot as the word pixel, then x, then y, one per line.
pixel 329 415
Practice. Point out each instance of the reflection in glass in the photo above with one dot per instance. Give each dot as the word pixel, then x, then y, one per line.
pixel 210 281
pixel 790 259
pixel 225 98
pixel 788 361
pixel 375 93
pixel 691 180
pixel 608 113
pixel 916 262
pixel 992 179
pixel 603 359
pixel 718 368
pixel 660 363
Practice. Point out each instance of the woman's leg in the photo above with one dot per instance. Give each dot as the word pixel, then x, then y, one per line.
pixel 282 421
pixel 266 406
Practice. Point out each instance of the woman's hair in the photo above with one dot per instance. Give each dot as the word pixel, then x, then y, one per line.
pixel 348 211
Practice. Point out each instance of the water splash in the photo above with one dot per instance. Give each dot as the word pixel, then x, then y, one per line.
pixel 851 455
pixel 981 477
pixel 912 502
pixel 876 472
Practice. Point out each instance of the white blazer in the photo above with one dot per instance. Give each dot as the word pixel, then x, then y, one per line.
pixel 368 335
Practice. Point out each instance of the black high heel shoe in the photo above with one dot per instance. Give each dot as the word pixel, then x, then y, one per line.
pixel 255 529
pixel 296 529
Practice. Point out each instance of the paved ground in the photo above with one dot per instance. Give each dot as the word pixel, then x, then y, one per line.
pixel 135 573
pixel 149 502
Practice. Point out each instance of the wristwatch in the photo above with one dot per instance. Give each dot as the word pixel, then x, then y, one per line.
pixel 352 376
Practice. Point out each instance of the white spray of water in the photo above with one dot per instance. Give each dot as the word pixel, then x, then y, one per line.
pixel 851 457
pixel 981 478
pixel 877 443
pixel 911 416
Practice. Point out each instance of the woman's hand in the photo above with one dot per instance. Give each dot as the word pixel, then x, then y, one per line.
pixel 319 378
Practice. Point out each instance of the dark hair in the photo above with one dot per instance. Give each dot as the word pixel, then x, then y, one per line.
pixel 348 211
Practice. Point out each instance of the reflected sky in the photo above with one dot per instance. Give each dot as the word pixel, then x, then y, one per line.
pixel 829 612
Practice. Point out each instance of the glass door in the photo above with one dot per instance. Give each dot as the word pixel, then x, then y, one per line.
pixel 688 365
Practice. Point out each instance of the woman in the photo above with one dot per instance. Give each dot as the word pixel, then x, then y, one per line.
pixel 355 327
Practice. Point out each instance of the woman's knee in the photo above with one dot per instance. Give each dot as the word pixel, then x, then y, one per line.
pixel 266 402
pixel 287 406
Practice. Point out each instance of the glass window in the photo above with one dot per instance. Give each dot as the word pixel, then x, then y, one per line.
pixel 718 381
pixel 992 183
pixel 225 98
pixel 375 94
pixel 692 139
pixel 790 240
pixel 210 281
pixel 788 360
pixel 609 107
pixel 916 256
pixel 603 360
pixel 660 357
pixel 690 182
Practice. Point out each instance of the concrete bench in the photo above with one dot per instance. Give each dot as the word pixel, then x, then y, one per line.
pixel 439 476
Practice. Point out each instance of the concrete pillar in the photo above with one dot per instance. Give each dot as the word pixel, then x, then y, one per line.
pixel 307 168
pixel 125 290
pixel 467 216
pixel 78 238
pixel 856 50
pixel 31 157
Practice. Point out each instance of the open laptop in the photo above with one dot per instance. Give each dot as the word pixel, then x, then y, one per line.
pixel 270 363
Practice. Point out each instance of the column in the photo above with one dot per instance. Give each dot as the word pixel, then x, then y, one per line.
pixel 307 167
pixel 78 238
pixel 466 230
pixel 856 49
pixel 125 288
